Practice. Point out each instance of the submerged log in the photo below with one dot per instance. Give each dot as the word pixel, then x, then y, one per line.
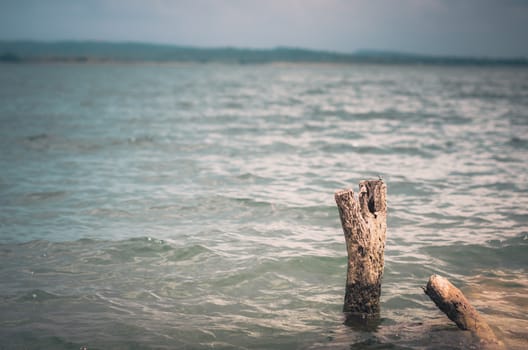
pixel 454 304
pixel 364 222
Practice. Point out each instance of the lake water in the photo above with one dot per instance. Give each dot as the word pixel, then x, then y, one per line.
pixel 190 206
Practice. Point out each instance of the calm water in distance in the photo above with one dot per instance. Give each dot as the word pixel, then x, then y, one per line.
pixel 191 206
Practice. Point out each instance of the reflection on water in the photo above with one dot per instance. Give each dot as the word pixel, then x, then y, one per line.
pixel 191 206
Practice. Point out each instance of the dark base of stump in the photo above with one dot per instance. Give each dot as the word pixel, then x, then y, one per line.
pixel 369 296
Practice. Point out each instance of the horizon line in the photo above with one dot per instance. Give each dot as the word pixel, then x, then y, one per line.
pixel 363 53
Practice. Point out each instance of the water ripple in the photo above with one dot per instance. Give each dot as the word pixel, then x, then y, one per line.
pixel 191 206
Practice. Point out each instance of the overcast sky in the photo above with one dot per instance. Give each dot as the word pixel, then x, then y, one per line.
pixel 495 28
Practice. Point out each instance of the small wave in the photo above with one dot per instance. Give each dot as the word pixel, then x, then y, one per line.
pixel 88 251
pixel 253 178
pixel 141 140
pixel 188 253
pixel 314 91
pixel 111 213
pixel 33 339
pixel 130 250
pixel 37 142
pixel 166 207
pixel 37 137
pixel 296 270
pixel 511 187
pixel 233 105
pixel 251 202
pixel 341 147
pixel 509 254
pixel 37 295
pixel 186 105
pixel 42 196
pixel 453 120
pixel 37 244
pixel 410 188
pixel 470 173
pixel 506 158
pixel 518 143
pixel 40 142
pixel 400 302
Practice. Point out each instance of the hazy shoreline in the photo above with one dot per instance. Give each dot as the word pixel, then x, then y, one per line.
pixel 110 52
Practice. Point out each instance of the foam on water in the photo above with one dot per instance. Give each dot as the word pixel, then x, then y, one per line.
pixel 191 206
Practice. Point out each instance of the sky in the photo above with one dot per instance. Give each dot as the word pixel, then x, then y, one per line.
pixel 483 28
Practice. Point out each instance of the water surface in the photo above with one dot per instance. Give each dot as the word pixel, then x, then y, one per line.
pixel 191 206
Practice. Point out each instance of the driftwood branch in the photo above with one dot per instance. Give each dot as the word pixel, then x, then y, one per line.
pixel 364 222
pixel 454 304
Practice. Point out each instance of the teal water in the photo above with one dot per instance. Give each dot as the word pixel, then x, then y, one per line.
pixel 189 206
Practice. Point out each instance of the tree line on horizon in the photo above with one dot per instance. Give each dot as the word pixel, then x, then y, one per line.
pixel 93 51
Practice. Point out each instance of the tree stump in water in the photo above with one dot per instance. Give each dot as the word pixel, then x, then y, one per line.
pixel 454 304
pixel 364 222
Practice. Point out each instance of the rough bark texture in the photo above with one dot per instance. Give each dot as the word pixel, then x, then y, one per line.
pixel 364 222
pixel 454 304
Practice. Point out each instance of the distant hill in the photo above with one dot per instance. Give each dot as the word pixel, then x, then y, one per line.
pixel 94 51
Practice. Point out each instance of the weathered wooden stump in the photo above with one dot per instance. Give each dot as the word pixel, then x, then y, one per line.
pixel 364 222
pixel 454 304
